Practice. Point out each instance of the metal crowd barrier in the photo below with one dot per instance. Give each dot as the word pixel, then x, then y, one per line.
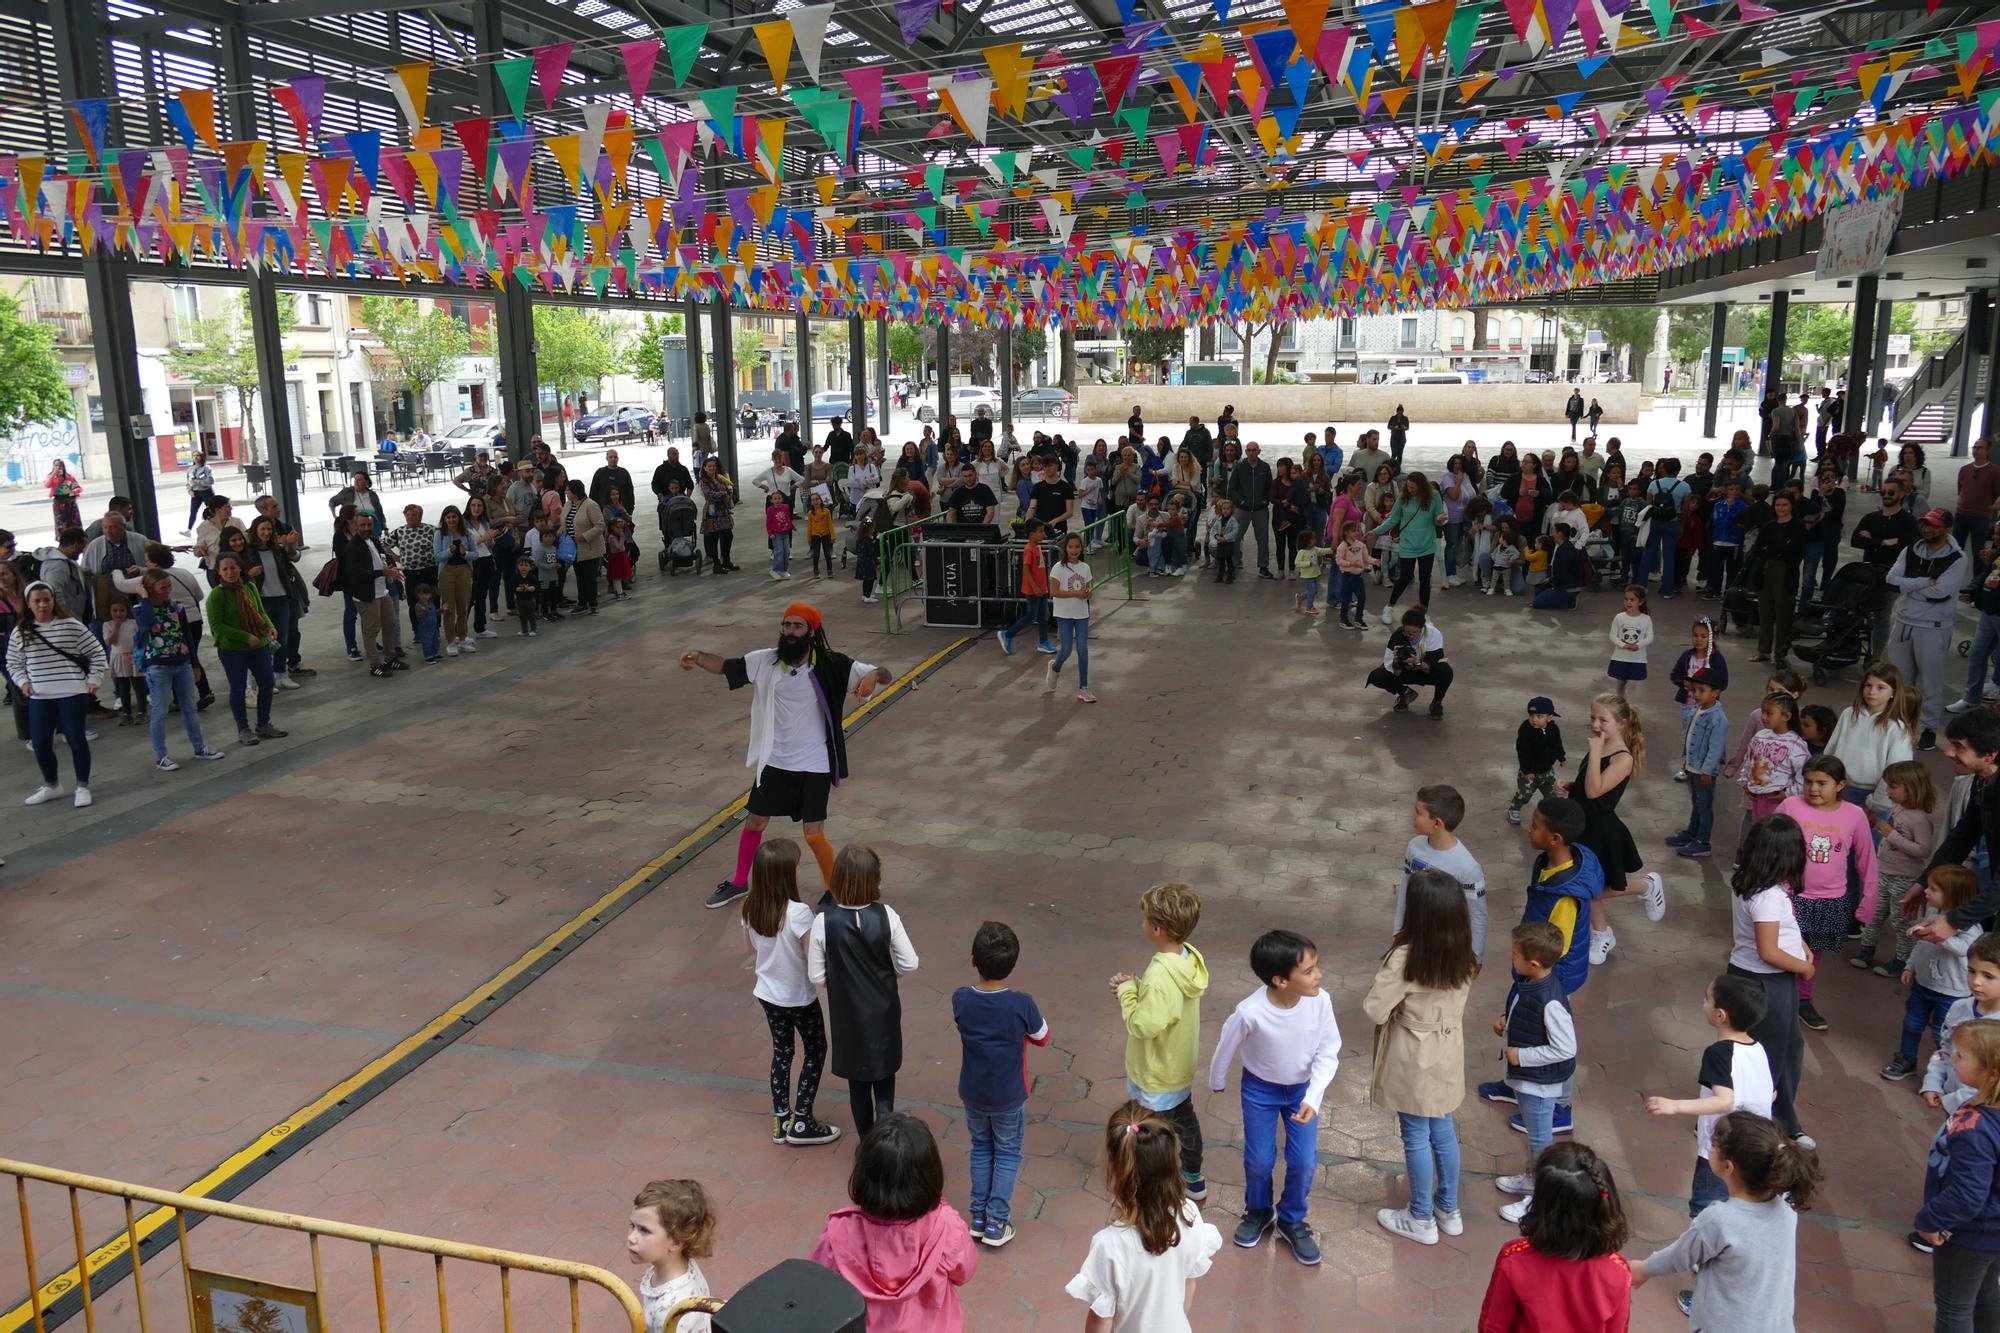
pixel 209 1297
pixel 901 567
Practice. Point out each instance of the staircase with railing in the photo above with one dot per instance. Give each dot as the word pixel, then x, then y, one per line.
pixel 1926 407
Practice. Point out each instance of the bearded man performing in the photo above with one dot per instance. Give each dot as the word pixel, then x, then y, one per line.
pixel 798 752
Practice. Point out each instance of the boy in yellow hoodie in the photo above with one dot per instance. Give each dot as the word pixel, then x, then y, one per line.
pixel 1162 1012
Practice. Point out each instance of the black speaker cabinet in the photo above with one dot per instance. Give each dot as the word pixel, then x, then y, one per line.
pixel 797 1296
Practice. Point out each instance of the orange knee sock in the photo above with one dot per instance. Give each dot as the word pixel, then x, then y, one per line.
pixel 822 851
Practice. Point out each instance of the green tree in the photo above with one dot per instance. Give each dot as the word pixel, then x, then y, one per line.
pixel 219 354
pixel 1825 333
pixel 1625 327
pixel 31 372
pixel 645 353
pixel 573 351
pixel 423 347
pixel 1155 347
pixel 747 347
pixel 1688 330
pixel 906 348
pixel 1030 345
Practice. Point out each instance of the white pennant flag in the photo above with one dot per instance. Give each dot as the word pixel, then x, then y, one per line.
pixel 596 115
pixel 809 34
pixel 974 99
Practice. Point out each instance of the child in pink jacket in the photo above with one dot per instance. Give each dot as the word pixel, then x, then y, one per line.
pixel 1834 831
pixel 901 1245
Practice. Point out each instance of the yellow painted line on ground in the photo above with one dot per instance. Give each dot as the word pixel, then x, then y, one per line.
pixel 21 1316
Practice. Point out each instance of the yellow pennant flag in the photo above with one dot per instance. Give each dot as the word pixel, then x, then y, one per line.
pixel 567 153
pixel 771 145
pixel 776 40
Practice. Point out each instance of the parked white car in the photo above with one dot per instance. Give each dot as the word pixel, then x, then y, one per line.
pixel 965 399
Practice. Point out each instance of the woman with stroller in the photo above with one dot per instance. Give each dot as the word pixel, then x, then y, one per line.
pixel 716 495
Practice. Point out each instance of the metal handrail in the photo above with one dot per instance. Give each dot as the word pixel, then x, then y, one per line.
pixel 1939 371
pixel 170 1209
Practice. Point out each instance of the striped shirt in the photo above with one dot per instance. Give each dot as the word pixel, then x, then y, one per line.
pixel 36 655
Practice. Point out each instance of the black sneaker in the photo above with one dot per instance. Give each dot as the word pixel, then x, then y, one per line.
pixel 303 672
pixel 1863 960
pixel 1899 1068
pixel 807 1132
pixel 1919 1244
pixel 1927 741
pixel 1299 1235
pixel 1437 711
pixel 726 893
pixel 1403 700
pixel 1810 1016
pixel 1250 1231
pixel 1854 930
pixel 778 1125
pixel 398 664
pixel 1196 1187
pixel 354 654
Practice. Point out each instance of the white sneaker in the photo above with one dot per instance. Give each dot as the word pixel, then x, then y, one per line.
pixel 1454 581
pixel 1451 1224
pixel 1990 694
pixel 1397 1221
pixel 1523 1184
pixel 285 682
pixel 451 650
pixel 776 577
pixel 487 634
pixel 1508 590
pixel 1389 614
pixel 1656 896
pixel 1488 591
pixel 82 796
pixel 1085 697
pixel 1960 706
pixel 870 601
pixel 467 646
pixel 1602 942
pixel 41 795
pixel 166 765
pixel 1515 1211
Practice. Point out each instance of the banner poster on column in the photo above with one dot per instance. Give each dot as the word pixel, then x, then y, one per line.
pixel 1857 236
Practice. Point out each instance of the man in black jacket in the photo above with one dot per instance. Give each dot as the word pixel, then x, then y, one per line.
pixel 1250 491
pixel 366 571
pixel 611 475
pixel 1399 437
pixel 672 470
pixel 839 445
pixel 1199 442
pixel 1882 537
pixel 1972 743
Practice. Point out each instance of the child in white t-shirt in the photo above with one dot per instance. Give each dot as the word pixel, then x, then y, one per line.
pixel 1135 1278
pixel 672 1227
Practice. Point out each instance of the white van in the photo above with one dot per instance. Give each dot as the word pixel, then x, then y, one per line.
pixel 1427 377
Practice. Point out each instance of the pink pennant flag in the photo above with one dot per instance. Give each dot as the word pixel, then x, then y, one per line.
pixel 865 82
pixel 918 87
pixel 640 58
pixel 550 62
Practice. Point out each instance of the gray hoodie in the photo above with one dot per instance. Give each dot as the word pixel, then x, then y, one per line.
pixel 65 579
pixel 1927 584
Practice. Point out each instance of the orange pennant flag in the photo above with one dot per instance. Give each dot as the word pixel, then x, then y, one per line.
pixel 1307 19
pixel 776 40
pixel 199 103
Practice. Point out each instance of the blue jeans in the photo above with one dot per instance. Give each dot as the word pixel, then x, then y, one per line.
pixel 284 620
pixel 1660 543
pixel 45 718
pixel 1309 590
pixel 1156 553
pixel 1538 1114
pixel 1553 598
pixel 996 1160
pixel 1036 614
pixel 1454 534
pixel 1074 634
pixel 241 664
pixel 348 613
pixel 1701 809
pixel 1824 557
pixel 170 685
pixel 1707 1189
pixel 1433 1183
pixel 1925 1008
pixel 1985 642
pixel 1352 589
pixel 781 552
pixel 1265 1105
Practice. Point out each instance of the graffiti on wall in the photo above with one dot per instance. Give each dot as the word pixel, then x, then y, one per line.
pixel 26 454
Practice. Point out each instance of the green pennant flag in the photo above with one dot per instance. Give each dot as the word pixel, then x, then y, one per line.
pixel 1138 119
pixel 1663 15
pixel 1458 37
pixel 934 181
pixel 928 213
pixel 1084 157
pixel 658 152
pixel 721 106
pixel 1006 163
pixel 683 45
pixel 515 76
pixel 600 278
pixel 833 118
pixel 1135 199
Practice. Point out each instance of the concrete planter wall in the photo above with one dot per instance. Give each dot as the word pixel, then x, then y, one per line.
pixel 1345 405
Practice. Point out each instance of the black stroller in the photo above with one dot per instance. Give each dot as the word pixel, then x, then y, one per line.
pixel 680 542
pixel 1839 630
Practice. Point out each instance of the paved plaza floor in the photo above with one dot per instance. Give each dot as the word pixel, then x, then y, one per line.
pixel 201 954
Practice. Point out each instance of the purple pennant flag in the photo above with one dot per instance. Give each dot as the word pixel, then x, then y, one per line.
pixel 1139 37
pixel 1656 97
pixel 739 207
pixel 450 164
pixel 913 16
pixel 1079 92
pixel 689 206
pixel 515 158
pixel 1560 13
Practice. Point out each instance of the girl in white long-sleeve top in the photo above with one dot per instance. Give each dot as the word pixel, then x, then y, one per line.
pixel 1631 632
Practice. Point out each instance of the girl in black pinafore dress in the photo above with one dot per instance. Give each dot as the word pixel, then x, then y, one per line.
pixel 858 949
pixel 1615 732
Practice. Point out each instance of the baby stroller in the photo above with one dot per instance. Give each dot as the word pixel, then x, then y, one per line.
pixel 680 545
pixel 1839 631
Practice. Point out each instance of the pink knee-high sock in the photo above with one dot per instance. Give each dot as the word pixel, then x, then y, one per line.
pixel 1806 983
pixel 746 851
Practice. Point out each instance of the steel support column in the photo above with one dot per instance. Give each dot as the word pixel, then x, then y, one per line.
pixel 697 397
pixel 881 377
pixel 80 58
pixel 723 357
pixel 802 333
pixel 1711 408
pixel 857 375
pixel 513 306
pixel 944 378
pixel 1006 379
pixel 1860 352
pixel 1884 316
pixel 267 335
pixel 1986 427
pixel 1774 352
pixel 1978 329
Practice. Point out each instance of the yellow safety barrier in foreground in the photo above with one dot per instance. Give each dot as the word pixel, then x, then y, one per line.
pixel 46 1299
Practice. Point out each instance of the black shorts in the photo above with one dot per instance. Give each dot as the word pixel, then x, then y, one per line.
pixel 784 793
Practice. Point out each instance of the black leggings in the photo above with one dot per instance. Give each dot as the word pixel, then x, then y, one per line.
pixel 1188 1127
pixel 718 548
pixel 1421 567
pixel 811 1029
pixel 869 1100
pixel 1784 1046
pixel 1968 1299
pixel 586 585
pixel 1438 678
pixel 482 588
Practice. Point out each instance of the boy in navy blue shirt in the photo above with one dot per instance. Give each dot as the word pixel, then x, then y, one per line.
pixel 996 1026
